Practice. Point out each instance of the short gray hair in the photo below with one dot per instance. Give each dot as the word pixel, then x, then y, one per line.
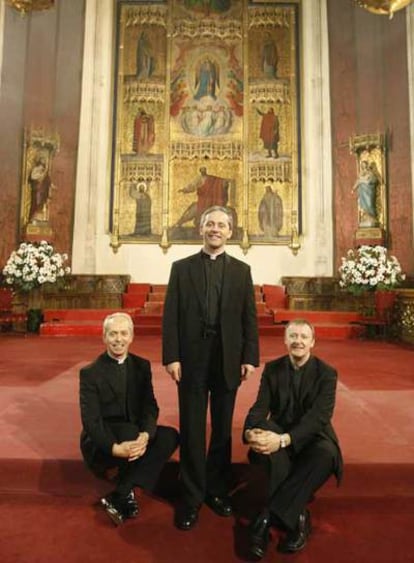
pixel 114 316
pixel 213 208
pixel 299 322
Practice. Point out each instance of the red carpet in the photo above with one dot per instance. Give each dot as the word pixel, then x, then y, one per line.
pixel 47 497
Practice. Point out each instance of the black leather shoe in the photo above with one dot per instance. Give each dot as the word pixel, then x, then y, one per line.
pixel 259 535
pixel 131 508
pixel 219 505
pixel 115 507
pixel 186 517
pixel 296 540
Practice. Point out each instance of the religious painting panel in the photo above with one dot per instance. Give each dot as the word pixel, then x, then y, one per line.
pixel 206 115
pixel 38 189
pixel 188 132
pixel 273 139
pixel 140 132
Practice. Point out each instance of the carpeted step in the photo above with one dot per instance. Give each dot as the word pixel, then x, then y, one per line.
pixel 70 477
pixel 134 300
pixel 146 326
pixel 159 288
pixel 148 319
pixel 148 330
pixel 265 319
pixel 153 308
pixel 71 328
pixel 156 296
pixel 140 288
pixel 337 331
pixel 88 328
pixel 271 330
pixel 82 314
pixel 325 331
pixel 315 317
pixel 261 308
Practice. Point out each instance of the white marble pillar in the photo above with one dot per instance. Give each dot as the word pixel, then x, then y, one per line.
pixel 93 165
pixel 2 8
pixel 317 153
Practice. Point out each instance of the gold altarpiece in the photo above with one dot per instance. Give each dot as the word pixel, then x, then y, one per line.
pixel 206 111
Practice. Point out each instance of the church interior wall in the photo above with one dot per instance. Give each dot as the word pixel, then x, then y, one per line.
pixel 370 94
pixel 40 92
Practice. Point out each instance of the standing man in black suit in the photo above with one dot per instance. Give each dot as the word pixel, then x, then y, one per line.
pixel 210 345
pixel 119 416
pixel 289 431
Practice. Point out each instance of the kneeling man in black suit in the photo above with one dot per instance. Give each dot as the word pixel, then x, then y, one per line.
pixel 289 431
pixel 119 416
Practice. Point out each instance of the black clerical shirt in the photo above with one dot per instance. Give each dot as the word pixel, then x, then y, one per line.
pixel 119 371
pixel 293 407
pixel 213 273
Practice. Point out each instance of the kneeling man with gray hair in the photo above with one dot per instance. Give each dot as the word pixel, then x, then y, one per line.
pixel 119 417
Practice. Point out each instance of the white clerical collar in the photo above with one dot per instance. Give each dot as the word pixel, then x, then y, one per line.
pixel 118 360
pixel 213 256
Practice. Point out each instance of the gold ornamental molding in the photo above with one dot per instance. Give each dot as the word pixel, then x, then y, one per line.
pixel 25 6
pixel 383 7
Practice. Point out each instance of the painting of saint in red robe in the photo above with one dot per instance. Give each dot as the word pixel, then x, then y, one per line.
pixel 210 190
pixel 269 132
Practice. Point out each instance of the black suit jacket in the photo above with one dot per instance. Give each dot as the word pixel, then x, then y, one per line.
pixel 316 405
pixel 184 317
pixel 103 401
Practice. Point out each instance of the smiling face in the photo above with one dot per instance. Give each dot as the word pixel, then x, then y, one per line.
pixel 299 340
pixel 215 231
pixel 118 337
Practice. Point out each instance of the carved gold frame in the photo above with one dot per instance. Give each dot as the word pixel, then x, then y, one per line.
pixel 372 148
pixel 25 6
pixel 38 144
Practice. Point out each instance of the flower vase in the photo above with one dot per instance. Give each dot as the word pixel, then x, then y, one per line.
pixel 384 304
pixel 19 308
pixel 35 298
pixel 34 320
pixel 366 304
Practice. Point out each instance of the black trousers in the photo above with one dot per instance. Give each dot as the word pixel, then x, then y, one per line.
pixel 294 478
pixel 144 471
pixel 205 472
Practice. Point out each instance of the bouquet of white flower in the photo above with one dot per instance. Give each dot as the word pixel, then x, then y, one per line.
pixel 34 264
pixel 369 268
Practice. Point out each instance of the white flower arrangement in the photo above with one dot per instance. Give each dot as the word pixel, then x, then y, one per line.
pixel 369 268
pixel 34 264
